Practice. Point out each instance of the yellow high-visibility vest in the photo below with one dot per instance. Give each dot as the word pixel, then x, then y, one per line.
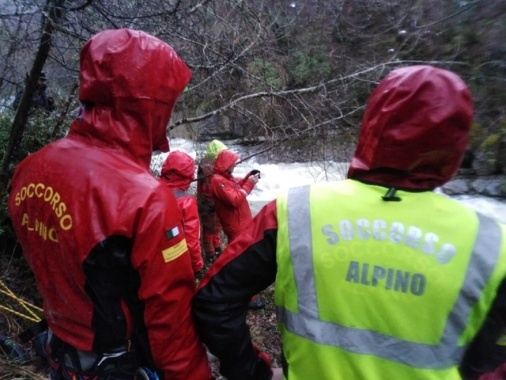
pixel 373 289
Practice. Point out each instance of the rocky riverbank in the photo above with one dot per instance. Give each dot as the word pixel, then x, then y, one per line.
pixel 490 186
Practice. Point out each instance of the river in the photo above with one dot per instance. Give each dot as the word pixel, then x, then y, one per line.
pixel 276 177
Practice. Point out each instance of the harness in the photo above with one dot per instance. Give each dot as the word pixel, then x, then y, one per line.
pixel 70 363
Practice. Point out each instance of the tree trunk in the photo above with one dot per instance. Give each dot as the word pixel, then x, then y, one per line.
pixel 50 18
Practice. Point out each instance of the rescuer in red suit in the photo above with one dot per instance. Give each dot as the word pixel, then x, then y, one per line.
pixel 110 262
pixel 178 171
pixel 229 194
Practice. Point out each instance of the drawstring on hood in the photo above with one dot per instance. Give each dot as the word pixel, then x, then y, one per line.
pixel 390 195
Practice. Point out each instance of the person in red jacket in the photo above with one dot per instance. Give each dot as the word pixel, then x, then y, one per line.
pixel 229 194
pixel 111 263
pixel 232 207
pixel 178 171
pixel 311 239
pixel 211 228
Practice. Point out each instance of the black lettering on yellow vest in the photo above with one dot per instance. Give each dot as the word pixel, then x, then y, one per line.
pixel 392 279
pixel 365 270
pixel 401 281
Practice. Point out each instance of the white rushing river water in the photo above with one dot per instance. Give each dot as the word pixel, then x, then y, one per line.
pixel 275 177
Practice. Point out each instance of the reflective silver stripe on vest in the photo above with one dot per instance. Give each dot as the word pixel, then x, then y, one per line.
pixel 306 323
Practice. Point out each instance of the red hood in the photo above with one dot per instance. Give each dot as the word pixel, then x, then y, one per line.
pixel 415 129
pixel 129 82
pixel 225 160
pixel 179 170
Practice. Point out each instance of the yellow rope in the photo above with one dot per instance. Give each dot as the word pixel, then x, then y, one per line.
pixel 21 301
pixel 37 319
pixel 30 308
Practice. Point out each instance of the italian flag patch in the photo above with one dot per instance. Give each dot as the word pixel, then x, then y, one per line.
pixel 172 233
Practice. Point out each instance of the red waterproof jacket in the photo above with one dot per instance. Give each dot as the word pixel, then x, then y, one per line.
pixel 413 132
pixel 104 237
pixel 232 206
pixel 178 171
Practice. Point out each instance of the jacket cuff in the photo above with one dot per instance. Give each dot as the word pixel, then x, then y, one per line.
pixel 248 186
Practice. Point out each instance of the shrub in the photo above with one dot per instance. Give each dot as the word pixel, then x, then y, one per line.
pixel 38 132
pixel 269 73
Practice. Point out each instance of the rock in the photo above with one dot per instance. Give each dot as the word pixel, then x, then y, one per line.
pixel 483 165
pixel 456 187
pixel 490 186
pixel 493 187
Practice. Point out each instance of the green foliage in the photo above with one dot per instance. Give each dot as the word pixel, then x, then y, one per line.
pixel 307 67
pixel 491 141
pixel 470 37
pixel 489 147
pixel 38 132
pixel 6 232
pixel 267 71
pixel 478 133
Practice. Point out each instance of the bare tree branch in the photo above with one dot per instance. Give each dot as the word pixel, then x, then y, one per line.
pixel 299 91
